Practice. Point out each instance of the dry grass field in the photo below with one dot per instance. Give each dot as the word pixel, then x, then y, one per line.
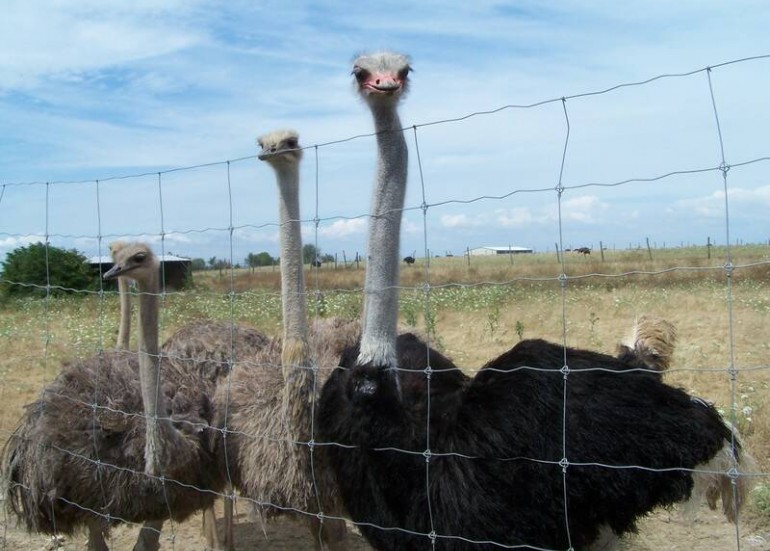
pixel 472 310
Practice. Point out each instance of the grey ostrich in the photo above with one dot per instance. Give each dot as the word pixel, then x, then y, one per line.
pixel 546 447
pixel 207 349
pixel 108 441
pixel 267 413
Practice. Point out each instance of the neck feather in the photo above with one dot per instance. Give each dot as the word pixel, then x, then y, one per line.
pixel 124 329
pixel 149 372
pixel 292 276
pixel 295 354
pixel 380 317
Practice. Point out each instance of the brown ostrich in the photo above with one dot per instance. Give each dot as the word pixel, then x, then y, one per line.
pixel 208 349
pixel 267 412
pixel 110 440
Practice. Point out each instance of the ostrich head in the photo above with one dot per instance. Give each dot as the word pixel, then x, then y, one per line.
pixel 382 76
pixel 280 148
pixel 116 247
pixel 134 260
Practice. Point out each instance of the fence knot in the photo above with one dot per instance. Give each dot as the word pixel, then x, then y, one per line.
pixel 427 455
pixel 564 463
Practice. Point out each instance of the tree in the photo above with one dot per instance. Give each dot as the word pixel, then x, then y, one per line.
pixel 30 270
pixel 261 259
pixel 264 259
pixel 310 253
pixel 197 264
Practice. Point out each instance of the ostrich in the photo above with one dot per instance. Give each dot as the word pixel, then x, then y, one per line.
pixel 266 414
pixel 410 259
pixel 546 447
pixel 207 348
pixel 108 441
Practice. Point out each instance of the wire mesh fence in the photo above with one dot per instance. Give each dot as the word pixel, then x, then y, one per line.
pixel 469 307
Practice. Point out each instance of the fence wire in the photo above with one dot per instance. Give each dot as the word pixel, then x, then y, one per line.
pixel 43 358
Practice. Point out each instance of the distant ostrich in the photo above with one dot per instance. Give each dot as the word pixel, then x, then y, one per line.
pixel 108 441
pixel 585 251
pixel 546 447
pixel 316 263
pixel 267 413
pixel 410 259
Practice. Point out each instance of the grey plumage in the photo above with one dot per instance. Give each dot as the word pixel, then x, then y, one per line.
pixel 83 454
pixel 267 411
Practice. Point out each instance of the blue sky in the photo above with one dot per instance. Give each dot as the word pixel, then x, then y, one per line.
pixel 93 90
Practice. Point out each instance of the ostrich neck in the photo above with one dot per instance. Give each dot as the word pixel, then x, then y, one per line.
pixel 124 329
pixel 295 354
pixel 380 317
pixel 292 278
pixel 149 371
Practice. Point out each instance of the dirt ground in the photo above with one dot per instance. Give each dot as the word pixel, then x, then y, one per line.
pixel 662 531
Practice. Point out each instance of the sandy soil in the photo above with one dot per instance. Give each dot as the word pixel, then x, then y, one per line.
pixel 662 531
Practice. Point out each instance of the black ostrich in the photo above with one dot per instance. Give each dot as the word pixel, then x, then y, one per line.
pixel 546 447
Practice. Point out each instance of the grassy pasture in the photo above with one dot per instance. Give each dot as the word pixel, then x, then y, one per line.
pixel 472 311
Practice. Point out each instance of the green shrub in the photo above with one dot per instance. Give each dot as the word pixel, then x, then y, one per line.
pixel 30 270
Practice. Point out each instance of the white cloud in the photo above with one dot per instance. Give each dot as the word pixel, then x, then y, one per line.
pixel 343 228
pixel 459 221
pixel 12 242
pixel 62 39
pixel 713 205
pixel 586 209
pixel 516 217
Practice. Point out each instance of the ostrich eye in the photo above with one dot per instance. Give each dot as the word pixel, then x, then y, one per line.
pixel 140 257
pixel 403 73
pixel 292 143
pixel 360 73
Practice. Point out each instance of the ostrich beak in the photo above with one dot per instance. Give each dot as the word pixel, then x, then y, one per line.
pixel 383 84
pixel 113 272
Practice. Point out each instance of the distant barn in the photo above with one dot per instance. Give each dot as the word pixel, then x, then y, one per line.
pixel 482 251
pixel 176 271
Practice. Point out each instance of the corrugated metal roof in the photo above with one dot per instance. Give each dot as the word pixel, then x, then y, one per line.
pixel 506 248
